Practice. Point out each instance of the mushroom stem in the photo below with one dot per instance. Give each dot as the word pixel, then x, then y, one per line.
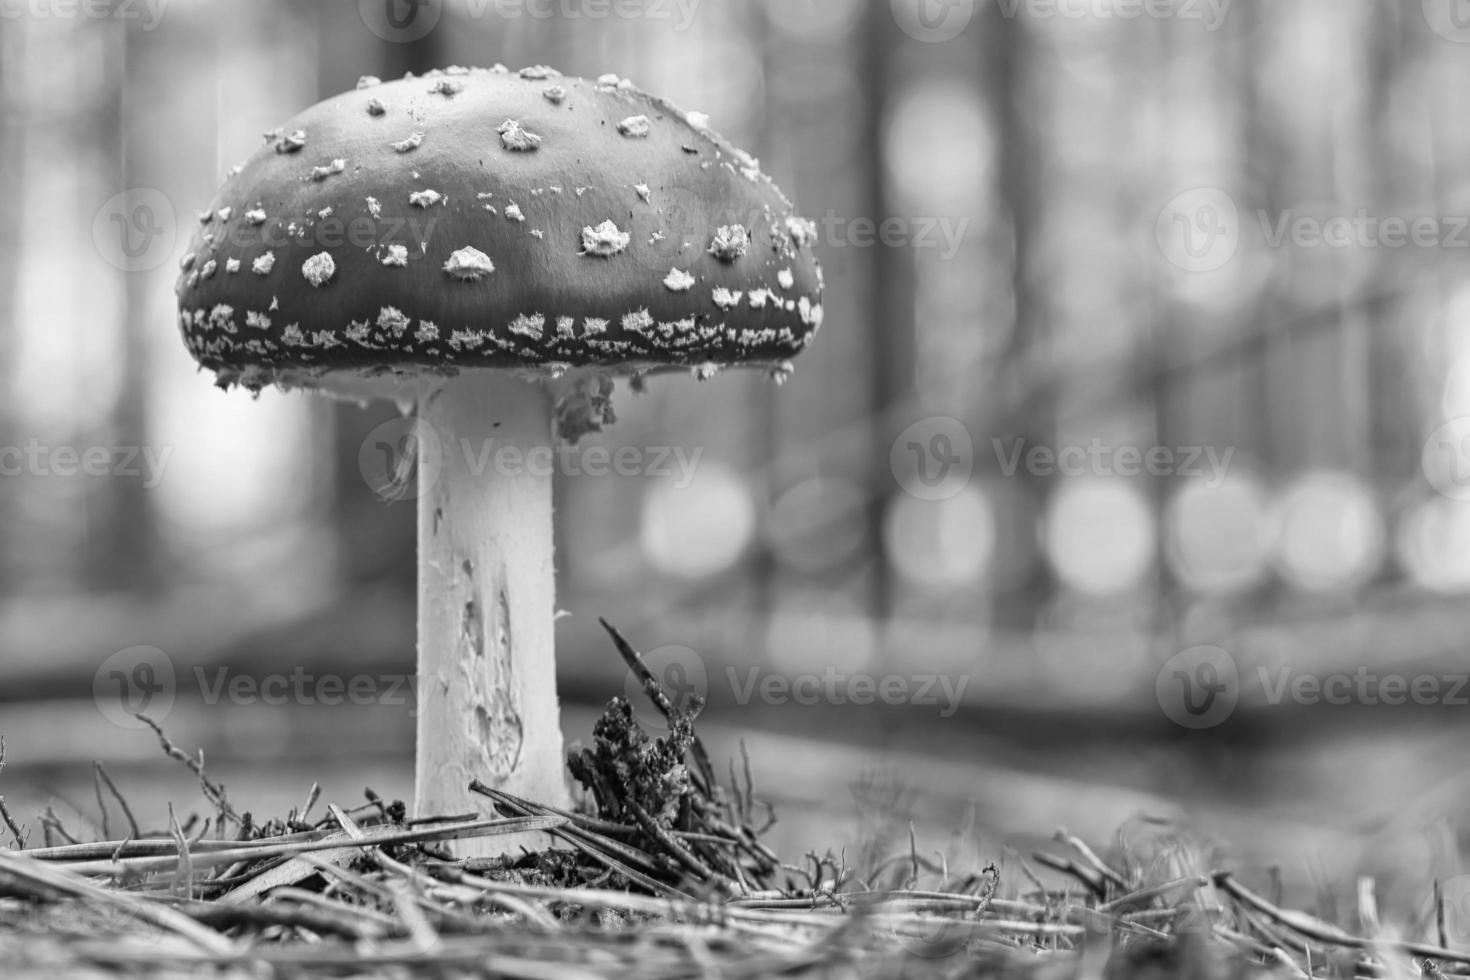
pixel 487 704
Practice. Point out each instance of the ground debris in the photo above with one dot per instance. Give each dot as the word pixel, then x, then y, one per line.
pixel 660 871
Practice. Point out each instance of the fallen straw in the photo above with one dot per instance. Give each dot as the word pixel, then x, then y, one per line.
pixel 254 851
pixel 32 876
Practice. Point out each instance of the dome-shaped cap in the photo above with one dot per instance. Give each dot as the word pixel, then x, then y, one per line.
pixel 483 218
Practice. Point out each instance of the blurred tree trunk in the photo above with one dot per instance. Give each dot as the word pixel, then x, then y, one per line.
pixel 13 171
pixel 1265 155
pixel 1008 54
pixel 1393 426
pixel 122 551
pixel 889 293
pixel 1157 345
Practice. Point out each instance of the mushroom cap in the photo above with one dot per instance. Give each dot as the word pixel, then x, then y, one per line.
pixel 489 219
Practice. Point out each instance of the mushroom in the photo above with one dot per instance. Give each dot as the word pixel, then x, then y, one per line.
pixel 466 243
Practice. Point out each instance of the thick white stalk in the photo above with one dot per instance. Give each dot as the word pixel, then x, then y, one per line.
pixel 487 705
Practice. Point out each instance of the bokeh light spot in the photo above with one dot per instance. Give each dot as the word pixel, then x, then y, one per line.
pixel 1099 536
pixel 700 529
pixel 1433 545
pixel 1331 536
pixel 941 543
pixel 1218 536
pixel 817 524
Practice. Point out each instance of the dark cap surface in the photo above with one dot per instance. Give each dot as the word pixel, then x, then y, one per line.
pixel 484 218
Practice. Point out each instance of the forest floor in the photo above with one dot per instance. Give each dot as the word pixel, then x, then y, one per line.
pixel 666 869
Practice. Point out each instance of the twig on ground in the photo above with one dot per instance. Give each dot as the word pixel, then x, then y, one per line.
pixel 1089 856
pixel 184 872
pixel 1321 932
pixel 10 824
pixel 214 792
pixel 1091 879
pixel 102 774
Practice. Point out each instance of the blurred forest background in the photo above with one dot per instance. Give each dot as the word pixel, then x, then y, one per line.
pixel 1038 166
